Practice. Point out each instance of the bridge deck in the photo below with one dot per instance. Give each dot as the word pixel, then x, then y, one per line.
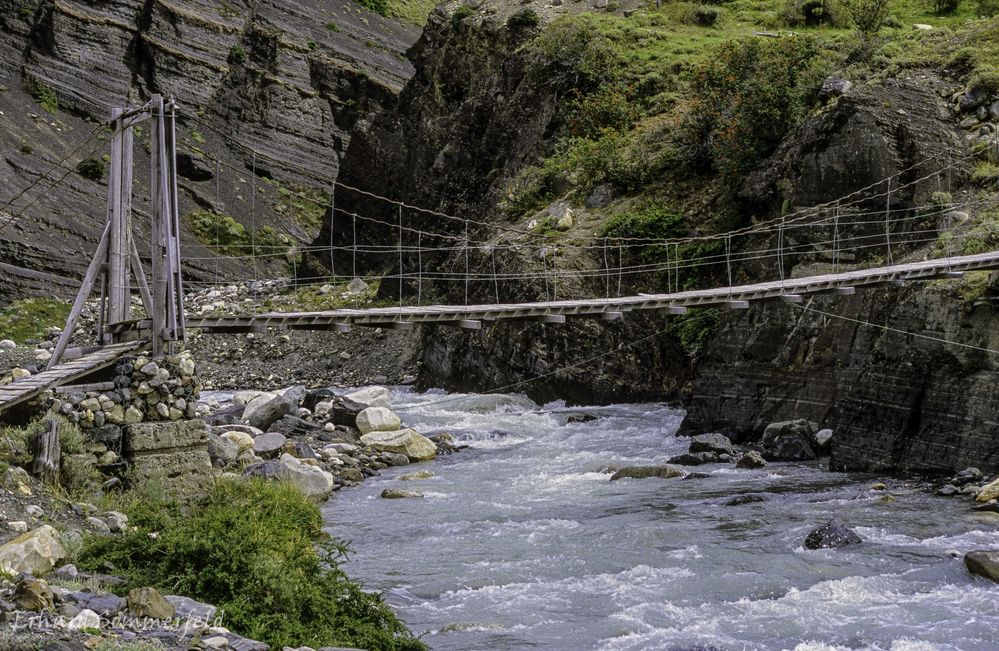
pixel 29 387
pixel 471 316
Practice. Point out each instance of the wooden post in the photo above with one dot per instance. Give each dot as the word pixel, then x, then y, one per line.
pixel 180 331
pixel 47 454
pixel 159 288
pixel 117 276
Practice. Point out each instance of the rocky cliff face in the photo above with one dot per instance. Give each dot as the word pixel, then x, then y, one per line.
pixel 896 400
pixel 286 80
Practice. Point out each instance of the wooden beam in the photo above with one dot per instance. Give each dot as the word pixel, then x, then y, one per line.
pixel 611 316
pixel 86 287
pixel 85 388
pixel 676 310
pixel 737 305
pixel 791 298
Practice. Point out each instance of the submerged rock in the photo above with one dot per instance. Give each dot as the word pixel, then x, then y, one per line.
pixel 399 494
pixel 832 535
pixel 745 499
pixel 645 472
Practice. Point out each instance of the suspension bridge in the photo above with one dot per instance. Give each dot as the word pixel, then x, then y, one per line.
pixel 117 264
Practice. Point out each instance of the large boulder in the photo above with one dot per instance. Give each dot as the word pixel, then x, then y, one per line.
pixel 241 440
pixel 645 472
pixel 410 443
pixel 294 426
pixel 751 460
pixel 378 419
pixel 717 443
pixel 989 492
pixel 371 396
pixel 790 440
pixel 268 445
pixel 190 609
pixel 147 602
pixel 695 458
pixel 833 535
pixel 35 552
pixel 222 451
pixel 267 408
pixel 314 482
pixel 983 563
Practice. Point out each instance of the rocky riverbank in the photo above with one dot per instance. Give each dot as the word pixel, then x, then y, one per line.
pixel 318 441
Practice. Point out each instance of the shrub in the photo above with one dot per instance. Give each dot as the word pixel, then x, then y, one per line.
pixel 694 329
pixel 219 230
pixel 706 16
pixel 573 54
pixel 248 548
pixel 45 97
pixel 653 222
pixel 809 13
pixel 868 16
pixel 984 82
pixel 524 19
pixel 612 106
pixel 462 12
pixel 746 101
pixel 332 27
pixel 988 8
pixel 237 55
pixel 91 168
pixel 944 7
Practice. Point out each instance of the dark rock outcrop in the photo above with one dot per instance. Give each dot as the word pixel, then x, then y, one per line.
pixel 645 472
pixel 832 534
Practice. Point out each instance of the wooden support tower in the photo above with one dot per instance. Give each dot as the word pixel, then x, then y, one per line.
pixel 117 262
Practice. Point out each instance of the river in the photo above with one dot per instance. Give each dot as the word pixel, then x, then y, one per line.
pixel 521 541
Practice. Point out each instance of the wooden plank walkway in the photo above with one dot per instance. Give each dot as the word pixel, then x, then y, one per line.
pixel 30 387
pixel 472 316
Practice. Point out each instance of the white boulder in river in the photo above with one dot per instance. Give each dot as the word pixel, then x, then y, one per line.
pixel 378 419
pixel 314 482
pixel 408 442
pixel 371 396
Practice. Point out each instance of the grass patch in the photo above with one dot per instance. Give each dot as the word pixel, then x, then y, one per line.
pixel 411 11
pixel 77 478
pixel 249 547
pixel 231 238
pixel 46 97
pixel 30 318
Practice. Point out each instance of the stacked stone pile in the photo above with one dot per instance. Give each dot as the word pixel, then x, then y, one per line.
pixel 162 389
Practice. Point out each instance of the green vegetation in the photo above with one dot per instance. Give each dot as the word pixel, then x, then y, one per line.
pixel 306 206
pixel 524 19
pixel 237 55
pixel 250 547
pixel 45 96
pixel 746 100
pixel 31 317
pixel 462 12
pixel 77 478
pixel 412 11
pixel 332 27
pixel 91 168
pixel 229 237
pixel 694 329
pixel 985 173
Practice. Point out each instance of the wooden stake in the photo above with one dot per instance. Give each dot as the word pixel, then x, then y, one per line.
pixel 47 454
